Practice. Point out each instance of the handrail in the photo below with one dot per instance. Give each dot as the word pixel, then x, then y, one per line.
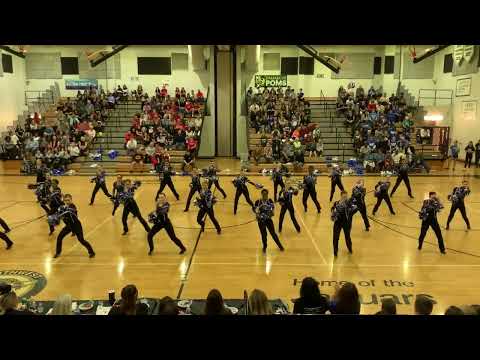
pixel 435 97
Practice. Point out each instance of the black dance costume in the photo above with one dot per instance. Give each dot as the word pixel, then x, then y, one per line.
pixel 458 203
pixel 211 174
pixel 381 192
pixel 277 178
pixel 69 215
pixel 195 186
pixel 336 180
pixel 205 202
pixel 342 213
pixel 118 188
pixel 159 219
pixel 286 201
pixel 428 215
pixel 264 211
pixel 165 175
pixel 3 235
pixel 358 196
pixel 99 181
pixel 240 183
pixel 309 190
pixel 402 176
pixel 130 206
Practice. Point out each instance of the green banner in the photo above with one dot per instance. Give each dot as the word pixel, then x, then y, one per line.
pixel 270 81
pixel 80 84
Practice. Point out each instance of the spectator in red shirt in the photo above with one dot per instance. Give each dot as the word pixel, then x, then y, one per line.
pixel 372 106
pixel 36 118
pixel 136 121
pixel 191 144
pixel 164 92
pixel 128 135
pixel 199 96
pixel 189 107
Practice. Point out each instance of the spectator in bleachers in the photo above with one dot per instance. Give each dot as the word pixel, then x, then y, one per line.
pixel 311 301
pixel 258 303
pixel 284 118
pixel 167 306
pixel 215 304
pixel 454 310
pixel 9 304
pixel 423 305
pixel 62 306
pixel 389 307
pixel 128 304
pixel 346 300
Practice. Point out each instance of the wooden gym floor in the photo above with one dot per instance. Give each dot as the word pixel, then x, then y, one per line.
pixel 385 261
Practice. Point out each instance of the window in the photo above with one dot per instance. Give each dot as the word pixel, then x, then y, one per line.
pixel 448 63
pixel 306 65
pixel 7 63
pixel 389 64
pixel 69 65
pixel 154 66
pixel 289 66
pixel 377 65
pixel 271 61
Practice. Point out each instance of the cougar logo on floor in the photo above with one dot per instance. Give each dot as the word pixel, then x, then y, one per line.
pixel 24 282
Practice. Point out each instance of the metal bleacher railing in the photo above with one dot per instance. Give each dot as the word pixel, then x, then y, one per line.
pixel 434 97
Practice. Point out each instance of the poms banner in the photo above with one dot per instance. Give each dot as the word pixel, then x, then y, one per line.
pixel 270 81
pixel 80 84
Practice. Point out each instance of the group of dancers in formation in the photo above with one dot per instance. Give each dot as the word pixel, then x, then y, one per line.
pixel 60 207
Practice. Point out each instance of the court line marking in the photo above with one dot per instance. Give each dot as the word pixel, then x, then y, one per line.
pixel 252 264
pixel 310 236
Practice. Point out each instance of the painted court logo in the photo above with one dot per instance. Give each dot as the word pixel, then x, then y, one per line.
pixel 25 283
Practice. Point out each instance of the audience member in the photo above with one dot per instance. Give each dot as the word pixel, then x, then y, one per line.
pixel 311 301
pixel 258 303
pixel 215 304
pixel 423 305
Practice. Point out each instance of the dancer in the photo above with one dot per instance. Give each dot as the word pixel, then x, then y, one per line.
pixel 309 182
pixel 118 188
pixel 402 176
pixel 3 234
pixel 130 206
pixel 211 174
pixel 159 219
pixel 286 201
pixel 42 191
pixel 264 209
pixel 41 171
pixel 54 201
pixel 457 197
pixel 205 203
pixel 381 192
pixel 342 213
pixel 277 177
pixel 336 180
pixel 240 183
pixel 99 180
pixel 428 215
pixel 195 186
pixel 165 174
pixel 358 196
pixel 69 214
